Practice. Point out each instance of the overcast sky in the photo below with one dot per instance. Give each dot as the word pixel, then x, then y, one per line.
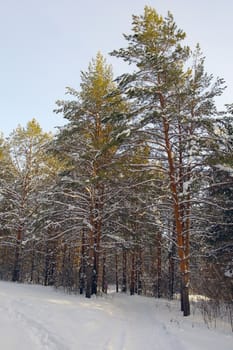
pixel 46 43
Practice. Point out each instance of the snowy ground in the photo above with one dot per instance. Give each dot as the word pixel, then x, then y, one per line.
pixel 36 317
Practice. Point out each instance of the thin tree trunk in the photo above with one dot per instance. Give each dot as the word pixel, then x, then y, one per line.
pixel 32 263
pixel 91 282
pixel 139 272
pixel 16 269
pixel 95 273
pixel 104 277
pixel 116 272
pixel 46 266
pixel 124 271
pixel 132 275
pixel 63 271
pixel 89 272
pixel 82 265
pixel 171 258
pixel 159 264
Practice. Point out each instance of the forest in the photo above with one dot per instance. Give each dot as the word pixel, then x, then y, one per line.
pixel 136 189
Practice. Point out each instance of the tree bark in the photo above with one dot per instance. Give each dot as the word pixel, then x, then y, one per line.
pixel 124 271
pixel 116 273
pixel 16 269
pixel 159 264
pixel 132 275
pixel 171 258
pixel 82 269
pixel 139 272
pixel 183 260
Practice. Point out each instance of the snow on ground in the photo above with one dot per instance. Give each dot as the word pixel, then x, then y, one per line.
pixel 41 318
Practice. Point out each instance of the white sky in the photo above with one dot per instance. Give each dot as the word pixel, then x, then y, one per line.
pixel 45 44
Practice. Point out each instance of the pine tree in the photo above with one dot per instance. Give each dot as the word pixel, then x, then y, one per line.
pixel 218 243
pixel 173 105
pixel 30 167
pixel 88 141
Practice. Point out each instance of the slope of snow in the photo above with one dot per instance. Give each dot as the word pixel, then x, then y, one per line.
pixel 40 318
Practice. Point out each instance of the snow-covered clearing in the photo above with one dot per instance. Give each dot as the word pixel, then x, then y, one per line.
pixel 35 317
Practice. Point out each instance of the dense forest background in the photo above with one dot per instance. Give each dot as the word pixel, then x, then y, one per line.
pixel 136 189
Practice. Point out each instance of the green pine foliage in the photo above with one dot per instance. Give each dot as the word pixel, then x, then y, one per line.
pixel 136 188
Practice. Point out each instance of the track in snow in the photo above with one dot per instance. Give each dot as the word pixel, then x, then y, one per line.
pixel 40 318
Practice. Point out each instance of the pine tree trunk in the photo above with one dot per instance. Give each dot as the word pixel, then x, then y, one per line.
pixel 63 269
pixel 97 223
pixel 185 304
pixel 124 271
pixel 46 267
pixel 91 282
pixel 94 276
pixel 82 265
pixel 32 263
pixel 16 269
pixel 171 258
pixel 183 259
pixel 116 273
pixel 89 272
pixel 159 264
pixel 104 277
pixel 132 275
pixel 139 272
